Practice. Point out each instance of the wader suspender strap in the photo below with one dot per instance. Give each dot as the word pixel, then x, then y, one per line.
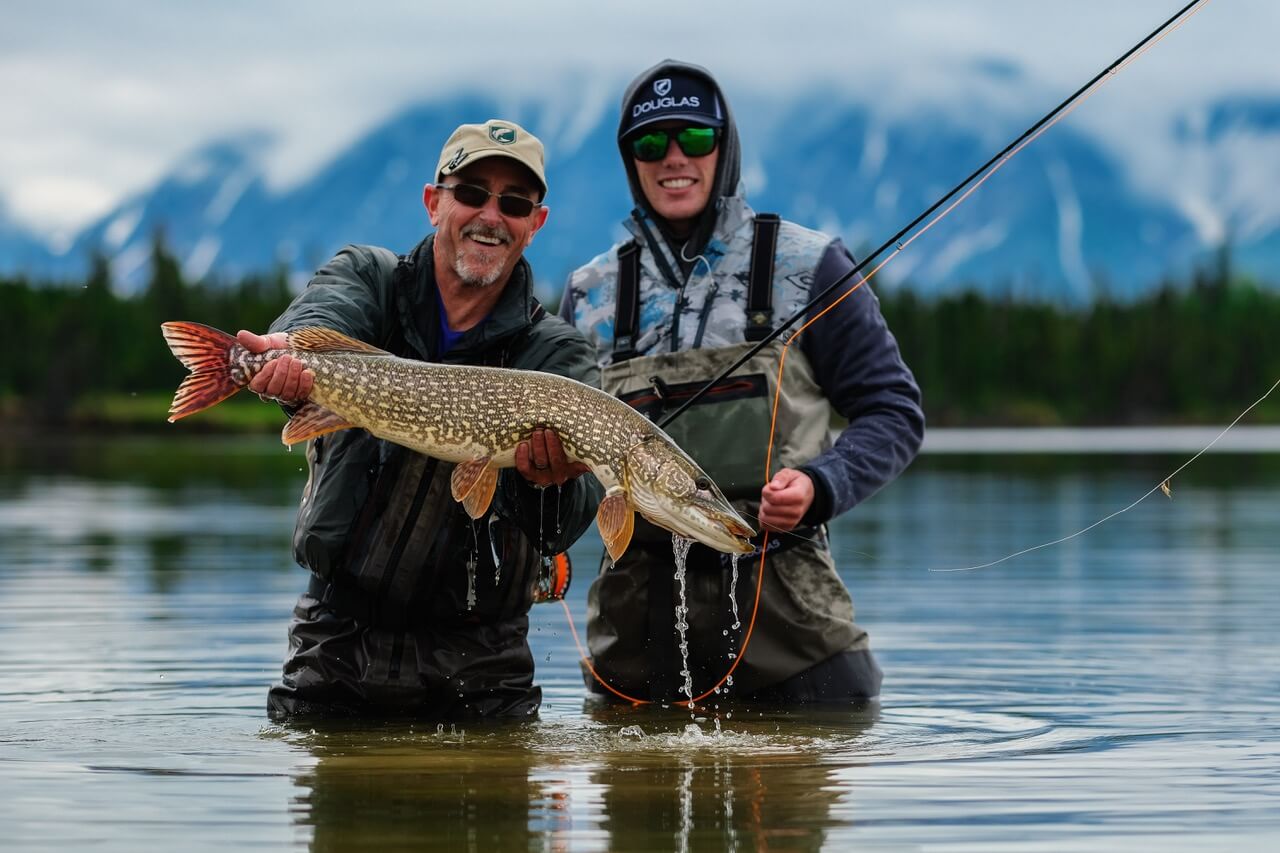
pixel 627 319
pixel 760 278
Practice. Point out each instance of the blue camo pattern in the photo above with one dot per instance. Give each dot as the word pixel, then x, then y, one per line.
pixel 717 286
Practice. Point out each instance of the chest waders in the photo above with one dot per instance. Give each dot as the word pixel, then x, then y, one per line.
pixel 418 595
pixel 805 614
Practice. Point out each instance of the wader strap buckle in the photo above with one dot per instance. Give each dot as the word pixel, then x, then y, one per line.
pixel 764 245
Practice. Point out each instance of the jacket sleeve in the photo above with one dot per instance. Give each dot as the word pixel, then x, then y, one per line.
pixel 554 518
pixel 348 294
pixel 861 372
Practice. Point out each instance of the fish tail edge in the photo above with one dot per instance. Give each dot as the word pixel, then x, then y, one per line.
pixel 206 352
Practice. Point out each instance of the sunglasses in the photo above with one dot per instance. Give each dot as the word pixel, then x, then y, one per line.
pixel 473 196
pixel 693 141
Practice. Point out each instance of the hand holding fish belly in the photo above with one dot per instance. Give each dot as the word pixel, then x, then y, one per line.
pixel 542 461
pixel 481 418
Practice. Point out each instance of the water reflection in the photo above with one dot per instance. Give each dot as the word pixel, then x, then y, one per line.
pixel 633 779
pixel 724 784
pixel 388 787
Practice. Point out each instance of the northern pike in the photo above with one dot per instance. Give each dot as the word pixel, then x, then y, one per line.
pixel 474 417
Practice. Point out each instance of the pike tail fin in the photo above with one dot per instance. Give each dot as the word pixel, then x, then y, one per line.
pixel 206 352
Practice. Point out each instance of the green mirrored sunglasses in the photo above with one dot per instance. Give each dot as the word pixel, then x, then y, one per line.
pixel 693 141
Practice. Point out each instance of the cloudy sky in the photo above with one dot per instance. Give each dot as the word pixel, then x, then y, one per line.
pixel 100 97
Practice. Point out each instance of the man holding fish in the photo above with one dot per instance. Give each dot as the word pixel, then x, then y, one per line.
pixel 415 606
pixel 700 279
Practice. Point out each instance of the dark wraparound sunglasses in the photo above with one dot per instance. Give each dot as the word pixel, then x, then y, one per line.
pixel 693 141
pixel 474 196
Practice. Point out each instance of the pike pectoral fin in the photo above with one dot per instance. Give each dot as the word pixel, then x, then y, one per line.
pixel 474 483
pixel 617 521
pixel 310 421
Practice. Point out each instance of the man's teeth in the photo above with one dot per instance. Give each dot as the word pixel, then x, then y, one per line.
pixel 678 183
pixel 488 241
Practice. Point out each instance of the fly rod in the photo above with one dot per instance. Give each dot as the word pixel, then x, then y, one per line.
pixel 894 240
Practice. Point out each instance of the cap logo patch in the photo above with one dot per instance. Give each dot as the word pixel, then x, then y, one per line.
pixel 662 87
pixel 501 134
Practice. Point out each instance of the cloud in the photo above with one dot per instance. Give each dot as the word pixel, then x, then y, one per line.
pixel 100 98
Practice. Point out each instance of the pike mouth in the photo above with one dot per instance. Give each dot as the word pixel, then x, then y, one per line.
pixel 710 526
pixel 742 536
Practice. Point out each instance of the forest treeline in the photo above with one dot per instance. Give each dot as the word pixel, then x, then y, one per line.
pixel 1191 351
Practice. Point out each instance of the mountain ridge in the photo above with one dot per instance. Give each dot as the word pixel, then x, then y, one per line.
pixel 1065 220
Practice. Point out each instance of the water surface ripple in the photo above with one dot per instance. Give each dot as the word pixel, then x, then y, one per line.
pixel 1116 692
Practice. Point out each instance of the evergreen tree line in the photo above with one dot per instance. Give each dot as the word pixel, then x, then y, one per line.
pixel 67 342
pixel 1196 351
pixel 1188 352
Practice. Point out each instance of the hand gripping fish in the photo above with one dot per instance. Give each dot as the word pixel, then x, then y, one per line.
pixel 474 417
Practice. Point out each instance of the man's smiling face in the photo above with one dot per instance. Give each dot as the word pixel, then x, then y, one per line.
pixel 481 246
pixel 678 186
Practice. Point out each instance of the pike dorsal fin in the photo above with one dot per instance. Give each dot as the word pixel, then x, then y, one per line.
pixel 474 483
pixel 310 421
pixel 318 339
pixel 617 521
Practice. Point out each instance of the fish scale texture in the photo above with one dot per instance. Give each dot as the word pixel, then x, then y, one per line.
pixel 460 413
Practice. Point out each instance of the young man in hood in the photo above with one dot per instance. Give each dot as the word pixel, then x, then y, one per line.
pixel 702 278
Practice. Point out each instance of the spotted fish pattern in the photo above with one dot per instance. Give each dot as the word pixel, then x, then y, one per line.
pixel 475 417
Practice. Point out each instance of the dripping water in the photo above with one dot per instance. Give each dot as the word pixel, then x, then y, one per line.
pixel 471 568
pixel 680 548
pixel 493 549
pixel 733 589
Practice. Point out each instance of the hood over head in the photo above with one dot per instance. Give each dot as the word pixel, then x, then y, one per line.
pixel 667 91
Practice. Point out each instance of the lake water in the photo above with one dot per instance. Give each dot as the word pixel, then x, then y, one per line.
pixel 1115 692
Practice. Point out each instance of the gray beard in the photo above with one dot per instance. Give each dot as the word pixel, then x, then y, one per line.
pixel 470 276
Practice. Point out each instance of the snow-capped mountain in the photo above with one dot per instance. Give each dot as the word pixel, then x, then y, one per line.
pixel 1067 218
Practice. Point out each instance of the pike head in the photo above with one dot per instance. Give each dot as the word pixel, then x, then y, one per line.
pixel 670 490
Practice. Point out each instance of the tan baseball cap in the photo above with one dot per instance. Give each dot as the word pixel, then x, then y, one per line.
pixel 494 138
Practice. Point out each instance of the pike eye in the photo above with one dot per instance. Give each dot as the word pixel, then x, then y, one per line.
pixel 702 484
